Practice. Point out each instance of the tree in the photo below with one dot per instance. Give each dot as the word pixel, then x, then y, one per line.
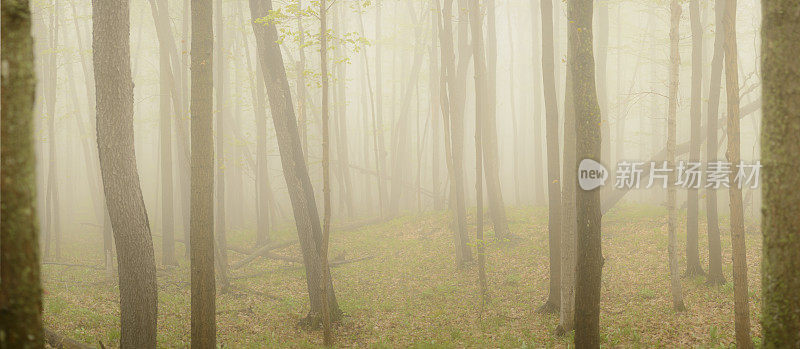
pixel 326 171
pixel 52 213
pixel 203 317
pixel 566 319
pixel 165 139
pixel 21 291
pixel 295 172
pixel 553 171
pixel 482 99
pixel 587 130
pixel 221 245
pixel 780 33
pixel 538 190
pixel 674 74
pixel 715 276
pixel 693 266
pixel 115 141
pixel 739 255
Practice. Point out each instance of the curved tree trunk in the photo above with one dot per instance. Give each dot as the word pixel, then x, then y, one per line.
pixel 115 141
pixel 780 33
pixel 21 294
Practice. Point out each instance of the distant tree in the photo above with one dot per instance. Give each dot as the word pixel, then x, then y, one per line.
pixel 326 172
pixel 20 287
pixel 587 130
pixel 203 317
pixel 693 266
pixel 538 181
pixel 53 212
pixel 165 143
pixel 295 172
pixel 740 294
pixel 672 224
pixel 115 140
pixel 553 170
pixel 780 141
pixel 220 224
pixel 715 276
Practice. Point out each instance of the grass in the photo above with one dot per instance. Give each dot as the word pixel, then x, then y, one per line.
pixel 412 295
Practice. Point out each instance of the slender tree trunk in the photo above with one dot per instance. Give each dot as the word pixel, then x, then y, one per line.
pixel 780 33
pixel 483 106
pixel 301 193
pixel 553 169
pixel 21 292
pixel 379 102
pixel 53 212
pixel 203 319
pixel 435 99
pixel 674 74
pixel 715 276
pixel 165 139
pixel 602 76
pixel 566 320
pixel 513 104
pixel 739 255
pixel 589 263
pixel 693 266
pixel 341 105
pixel 220 224
pixel 497 209
pixel 326 172
pixel 114 86
pixel 538 181
pixel 302 120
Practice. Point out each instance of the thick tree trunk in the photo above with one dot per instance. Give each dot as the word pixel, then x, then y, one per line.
pixel 295 172
pixel 114 86
pixel 715 276
pixel 203 317
pixel 589 264
pixel 483 106
pixel 693 266
pixel 780 314
pixel 739 254
pixel 674 75
pixel 21 294
pixel 553 169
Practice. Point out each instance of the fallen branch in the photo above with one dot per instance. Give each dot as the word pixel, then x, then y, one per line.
pixel 58 341
pixel 258 252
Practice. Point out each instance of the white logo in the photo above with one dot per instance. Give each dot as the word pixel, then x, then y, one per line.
pixel 591 174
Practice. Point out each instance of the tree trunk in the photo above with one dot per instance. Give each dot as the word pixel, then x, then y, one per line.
pixel 483 106
pixel 491 159
pixel 302 120
pixel 780 33
pixel 602 76
pixel 346 193
pixel 203 319
pixel 381 162
pixel 715 276
pixel 739 255
pixel 693 266
pixel 553 169
pixel 326 173
pixel 114 86
pixel 587 130
pixel 538 189
pixel 301 193
pixel 513 104
pixel 165 139
pixel 53 214
pixel 674 75
pixel 21 294
pixel 566 320
pixel 220 247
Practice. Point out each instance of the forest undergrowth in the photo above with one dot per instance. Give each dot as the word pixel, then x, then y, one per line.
pixel 400 288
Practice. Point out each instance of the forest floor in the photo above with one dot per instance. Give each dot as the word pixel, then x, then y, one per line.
pixel 410 293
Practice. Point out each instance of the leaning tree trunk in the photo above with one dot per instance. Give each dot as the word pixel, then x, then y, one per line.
pixel 115 142
pixel 21 294
pixel 693 266
pixel 203 315
pixel 301 193
pixel 553 170
pixel 674 74
pixel 780 142
pixel 715 276
pixel 587 130
pixel 739 254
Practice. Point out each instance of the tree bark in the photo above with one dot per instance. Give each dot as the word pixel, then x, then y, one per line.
pixel 21 292
pixel 739 255
pixel 114 86
pixel 780 33
pixel 693 266
pixel 587 130
pixel 672 221
pixel 203 315
pixel 301 193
